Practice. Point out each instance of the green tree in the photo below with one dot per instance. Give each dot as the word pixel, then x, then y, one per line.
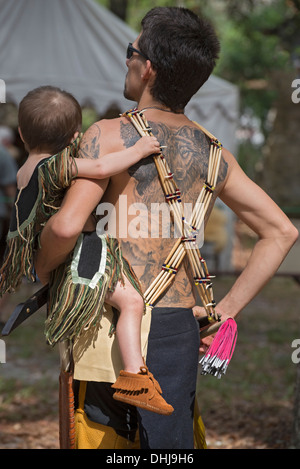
pixel 260 48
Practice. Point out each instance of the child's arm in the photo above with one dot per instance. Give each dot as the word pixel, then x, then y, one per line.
pixel 117 162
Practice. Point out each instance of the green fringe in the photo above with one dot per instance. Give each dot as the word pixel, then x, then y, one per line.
pixel 122 266
pixel 18 261
pixel 55 175
pixel 73 307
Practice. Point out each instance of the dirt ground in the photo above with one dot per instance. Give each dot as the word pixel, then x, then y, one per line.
pixel 251 407
pixel 259 431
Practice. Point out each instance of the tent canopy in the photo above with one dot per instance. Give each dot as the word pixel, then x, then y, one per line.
pixel 80 46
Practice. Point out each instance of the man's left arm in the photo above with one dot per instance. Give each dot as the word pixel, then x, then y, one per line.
pixel 61 232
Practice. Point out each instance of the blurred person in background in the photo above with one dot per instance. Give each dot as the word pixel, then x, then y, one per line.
pixel 8 185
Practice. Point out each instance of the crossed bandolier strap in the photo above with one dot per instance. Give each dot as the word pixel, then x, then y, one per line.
pixel 186 244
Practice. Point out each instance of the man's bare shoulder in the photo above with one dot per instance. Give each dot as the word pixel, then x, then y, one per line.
pixel 228 162
pixel 235 177
pixel 97 136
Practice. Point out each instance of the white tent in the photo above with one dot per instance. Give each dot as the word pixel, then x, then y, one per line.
pixel 80 46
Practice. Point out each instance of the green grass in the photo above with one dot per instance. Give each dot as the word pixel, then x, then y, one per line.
pixel 260 380
pixel 29 378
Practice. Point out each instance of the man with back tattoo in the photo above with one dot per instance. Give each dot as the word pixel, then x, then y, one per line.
pixel 167 63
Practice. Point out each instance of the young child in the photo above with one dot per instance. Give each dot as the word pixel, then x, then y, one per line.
pixel 49 125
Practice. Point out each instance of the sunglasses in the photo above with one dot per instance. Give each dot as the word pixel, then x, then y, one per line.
pixel 131 50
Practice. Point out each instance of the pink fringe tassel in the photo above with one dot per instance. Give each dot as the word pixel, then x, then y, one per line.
pixel 216 360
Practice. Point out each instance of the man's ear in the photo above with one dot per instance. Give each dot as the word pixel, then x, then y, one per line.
pixel 148 72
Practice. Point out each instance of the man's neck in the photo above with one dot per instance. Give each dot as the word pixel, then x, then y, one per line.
pixel 147 102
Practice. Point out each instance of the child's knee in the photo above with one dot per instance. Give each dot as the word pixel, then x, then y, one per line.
pixel 136 301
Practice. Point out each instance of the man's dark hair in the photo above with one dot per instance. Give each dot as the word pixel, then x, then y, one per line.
pixel 183 49
pixel 48 119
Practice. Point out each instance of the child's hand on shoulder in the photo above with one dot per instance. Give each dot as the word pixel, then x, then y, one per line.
pixel 147 145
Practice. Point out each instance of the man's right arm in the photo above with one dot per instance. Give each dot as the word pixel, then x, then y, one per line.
pixel 61 232
pixel 276 235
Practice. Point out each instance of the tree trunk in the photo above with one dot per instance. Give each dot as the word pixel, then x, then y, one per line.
pixel 296 426
pixel 119 8
pixel 281 164
pixel 281 176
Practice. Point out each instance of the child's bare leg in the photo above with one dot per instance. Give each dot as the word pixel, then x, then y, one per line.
pixel 135 384
pixel 131 307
